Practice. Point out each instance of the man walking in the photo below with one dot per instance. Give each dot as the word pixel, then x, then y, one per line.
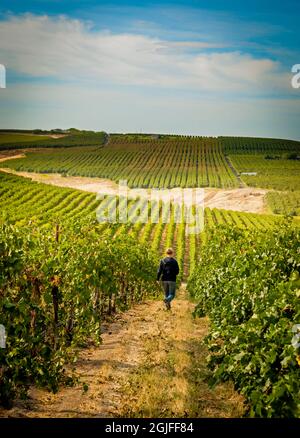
pixel 168 270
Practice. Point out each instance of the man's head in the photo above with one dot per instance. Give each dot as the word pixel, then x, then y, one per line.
pixel 170 252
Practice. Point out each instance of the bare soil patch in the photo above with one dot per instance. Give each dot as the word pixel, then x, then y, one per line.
pixel 5 157
pixel 247 199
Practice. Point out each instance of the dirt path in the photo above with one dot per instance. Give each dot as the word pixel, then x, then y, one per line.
pixel 10 157
pixel 233 169
pixel 247 199
pixel 151 364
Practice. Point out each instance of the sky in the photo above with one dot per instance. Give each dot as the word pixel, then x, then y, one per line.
pixel 184 67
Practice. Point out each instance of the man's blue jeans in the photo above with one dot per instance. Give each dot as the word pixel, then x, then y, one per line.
pixel 169 289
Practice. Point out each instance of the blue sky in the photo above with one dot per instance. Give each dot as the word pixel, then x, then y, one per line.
pixel 198 67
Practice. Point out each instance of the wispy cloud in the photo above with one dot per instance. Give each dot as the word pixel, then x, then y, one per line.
pixel 69 49
pixel 196 80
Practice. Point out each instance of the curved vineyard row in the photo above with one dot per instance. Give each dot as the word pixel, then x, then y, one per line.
pixel 250 145
pixel 23 201
pixel 287 203
pixel 55 288
pixel 187 162
pixel 278 174
pixel 62 272
pixel 247 283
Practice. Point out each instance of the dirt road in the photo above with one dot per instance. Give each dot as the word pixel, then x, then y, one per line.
pixel 152 363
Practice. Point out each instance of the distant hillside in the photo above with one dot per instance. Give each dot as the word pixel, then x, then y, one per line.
pixel 53 139
pixel 250 145
pixel 167 161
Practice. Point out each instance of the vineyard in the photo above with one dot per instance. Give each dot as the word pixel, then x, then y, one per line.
pixel 195 162
pixel 171 161
pixel 277 174
pixel 149 233
pixel 286 203
pixel 69 260
pixel 22 200
pixel 251 145
pixel 248 285
pixel 55 289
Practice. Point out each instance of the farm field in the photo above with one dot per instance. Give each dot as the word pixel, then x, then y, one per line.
pixel 247 283
pixel 286 203
pixel 277 174
pixel 252 145
pixel 179 162
pixel 7 138
pixel 11 141
pixel 173 162
pixel 239 199
pixel 140 354
pixel 149 218
pixel 23 201
pixel 59 245
pixel 56 280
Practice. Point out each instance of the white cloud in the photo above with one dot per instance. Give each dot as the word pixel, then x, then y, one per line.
pixel 68 49
pixel 181 83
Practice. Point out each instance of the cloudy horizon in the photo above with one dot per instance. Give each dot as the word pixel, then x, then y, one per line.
pixel 165 68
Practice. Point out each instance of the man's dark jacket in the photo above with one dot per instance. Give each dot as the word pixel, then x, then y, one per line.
pixel 168 268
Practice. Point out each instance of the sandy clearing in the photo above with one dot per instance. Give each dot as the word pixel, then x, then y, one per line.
pixel 243 199
pixel 3 158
